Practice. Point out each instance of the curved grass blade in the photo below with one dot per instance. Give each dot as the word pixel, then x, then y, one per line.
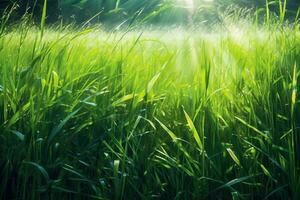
pixel 176 140
pixel 20 135
pixel 43 20
pixel 124 99
pixel 234 182
pixel 58 128
pixel 152 82
pixel 171 134
pixel 193 129
pixel 253 128
pixel 275 191
pixel 233 156
pixel 267 172
pixel 40 168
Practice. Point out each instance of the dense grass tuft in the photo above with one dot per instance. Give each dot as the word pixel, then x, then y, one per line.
pixel 158 115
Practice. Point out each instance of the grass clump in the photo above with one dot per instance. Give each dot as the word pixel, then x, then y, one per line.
pixel 152 115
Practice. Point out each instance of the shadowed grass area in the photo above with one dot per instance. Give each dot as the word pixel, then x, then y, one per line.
pixel 150 115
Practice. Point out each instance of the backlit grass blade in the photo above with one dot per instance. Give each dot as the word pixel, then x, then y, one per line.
pixel 175 139
pixel 116 165
pixel 267 13
pixel 43 19
pixel 233 156
pixel 294 87
pixel 266 171
pixel 124 99
pixel 264 135
pixel 117 4
pixel 152 82
pixel 18 115
pixel 282 10
pixel 171 134
pixel 193 129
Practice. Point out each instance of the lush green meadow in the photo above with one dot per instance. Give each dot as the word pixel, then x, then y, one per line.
pixel 154 114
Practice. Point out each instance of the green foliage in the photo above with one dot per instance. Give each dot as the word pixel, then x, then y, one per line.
pixel 153 12
pixel 180 114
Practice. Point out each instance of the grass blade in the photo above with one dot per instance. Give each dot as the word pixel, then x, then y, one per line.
pixel 40 169
pixel 193 129
pixel 58 128
pixel 233 156
pixel 43 19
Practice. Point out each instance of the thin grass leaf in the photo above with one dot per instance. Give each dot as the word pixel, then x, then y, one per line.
pixel 234 182
pixel 253 128
pixel 275 191
pixel 233 156
pixel 59 127
pixel 18 115
pixel 43 19
pixel 194 131
pixel 40 169
pixel 266 154
pixel 152 82
pixel 20 135
pixel 294 87
pixel 176 140
pixel 171 134
pixel 266 172
pixel 124 99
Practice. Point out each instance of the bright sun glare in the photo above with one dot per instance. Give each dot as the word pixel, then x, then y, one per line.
pixel 192 4
pixel 189 4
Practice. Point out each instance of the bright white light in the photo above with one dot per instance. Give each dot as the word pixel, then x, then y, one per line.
pixel 190 4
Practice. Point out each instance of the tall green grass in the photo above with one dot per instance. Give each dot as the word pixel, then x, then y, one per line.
pixel 152 115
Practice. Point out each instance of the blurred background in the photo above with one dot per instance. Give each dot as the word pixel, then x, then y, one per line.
pixel 149 11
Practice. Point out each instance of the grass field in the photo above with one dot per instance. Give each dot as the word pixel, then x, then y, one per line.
pixel 177 114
